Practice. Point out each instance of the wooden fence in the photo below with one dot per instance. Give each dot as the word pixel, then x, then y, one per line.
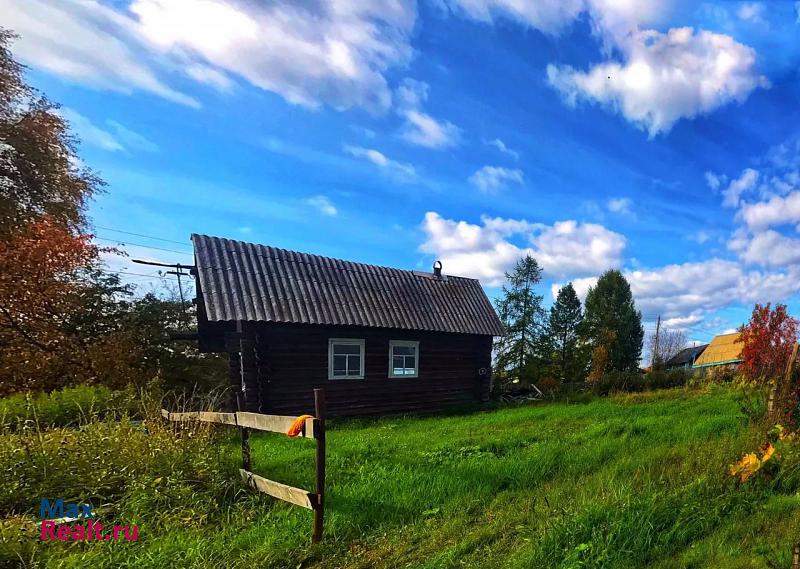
pixel 313 428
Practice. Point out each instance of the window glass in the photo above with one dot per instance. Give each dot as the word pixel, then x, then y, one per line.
pixel 345 359
pixel 403 358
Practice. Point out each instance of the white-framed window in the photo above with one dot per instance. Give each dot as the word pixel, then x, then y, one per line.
pixel 345 358
pixel 403 358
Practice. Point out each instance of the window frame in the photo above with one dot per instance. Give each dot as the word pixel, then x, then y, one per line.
pixel 347 342
pixel 404 344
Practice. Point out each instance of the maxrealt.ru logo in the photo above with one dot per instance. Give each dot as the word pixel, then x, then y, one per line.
pixel 55 516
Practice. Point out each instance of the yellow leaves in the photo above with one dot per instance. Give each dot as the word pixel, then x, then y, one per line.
pixel 749 464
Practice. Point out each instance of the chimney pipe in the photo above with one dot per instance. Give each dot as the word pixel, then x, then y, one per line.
pixel 437 269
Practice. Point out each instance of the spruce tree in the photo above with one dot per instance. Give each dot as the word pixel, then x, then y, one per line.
pixel 518 352
pixel 612 325
pixel 566 317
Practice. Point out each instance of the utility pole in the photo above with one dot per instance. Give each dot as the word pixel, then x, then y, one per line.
pixel 655 344
pixel 179 273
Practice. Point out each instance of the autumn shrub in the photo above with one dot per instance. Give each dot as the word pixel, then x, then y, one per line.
pixel 617 381
pixel 665 379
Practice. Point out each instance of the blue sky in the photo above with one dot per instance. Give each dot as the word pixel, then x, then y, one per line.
pixel 661 137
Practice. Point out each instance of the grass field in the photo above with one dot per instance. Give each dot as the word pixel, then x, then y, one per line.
pixel 624 481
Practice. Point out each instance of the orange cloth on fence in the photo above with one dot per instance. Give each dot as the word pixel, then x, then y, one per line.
pixel 297 426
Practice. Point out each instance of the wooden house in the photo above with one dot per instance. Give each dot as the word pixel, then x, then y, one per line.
pixel 686 358
pixel 725 350
pixel 379 340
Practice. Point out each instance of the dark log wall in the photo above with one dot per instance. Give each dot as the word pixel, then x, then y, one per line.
pixel 293 359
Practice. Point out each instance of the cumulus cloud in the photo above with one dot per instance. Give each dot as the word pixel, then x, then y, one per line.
pixel 340 50
pixel 493 178
pixel 767 248
pixel 732 195
pixel 487 250
pixel 778 210
pixel 695 289
pixel 323 205
pixel 664 77
pixel 501 146
pixel 676 290
pixel 403 171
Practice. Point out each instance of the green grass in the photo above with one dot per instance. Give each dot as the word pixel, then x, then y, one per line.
pixel 626 481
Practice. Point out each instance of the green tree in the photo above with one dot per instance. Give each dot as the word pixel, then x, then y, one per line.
pixel 520 351
pixel 612 325
pixel 564 325
pixel 149 319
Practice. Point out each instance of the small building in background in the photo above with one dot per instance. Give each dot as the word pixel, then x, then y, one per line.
pixel 725 350
pixel 686 358
pixel 378 339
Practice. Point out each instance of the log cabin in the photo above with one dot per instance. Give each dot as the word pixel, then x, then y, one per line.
pixel 379 340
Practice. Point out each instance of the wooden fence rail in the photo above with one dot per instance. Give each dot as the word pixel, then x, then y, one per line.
pixel 314 428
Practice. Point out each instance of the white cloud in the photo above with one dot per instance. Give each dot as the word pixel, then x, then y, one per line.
pixel 117 138
pixel 403 171
pixel 677 290
pixel 89 133
pixel 322 204
pixel 547 16
pixel 424 130
pixel 622 206
pixel 334 53
pixel 609 18
pixel 486 251
pixel 715 181
pixel 131 140
pixel 501 146
pixel 752 12
pixel 87 43
pixel 421 128
pixel 493 178
pixel 701 236
pixel 778 210
pixel 692 290
pixel 664 77
pixel 210 76
pixel 767 248
pixel 732 195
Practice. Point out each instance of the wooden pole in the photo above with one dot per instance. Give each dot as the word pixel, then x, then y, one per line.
pixel 319 433
pixel 780 391
pixel 796 557
pixel 245 432
pixel 241 395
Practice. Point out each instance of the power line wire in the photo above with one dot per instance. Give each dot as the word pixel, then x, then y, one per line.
pixel 123 244
pixel 141 235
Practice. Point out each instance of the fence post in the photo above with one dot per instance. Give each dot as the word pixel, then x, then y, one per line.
pixel 319 434
pixel 796 557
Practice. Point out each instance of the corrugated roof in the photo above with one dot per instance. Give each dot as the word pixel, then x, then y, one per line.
pixel 257 283
pixel 724 348
pixel 686 356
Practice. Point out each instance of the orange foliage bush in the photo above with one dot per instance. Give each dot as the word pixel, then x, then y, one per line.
pixel 44 337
